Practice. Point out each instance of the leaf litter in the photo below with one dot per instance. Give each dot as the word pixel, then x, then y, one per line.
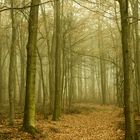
pixel 94 123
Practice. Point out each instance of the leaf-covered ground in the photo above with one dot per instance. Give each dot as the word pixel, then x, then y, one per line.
pixel 90 122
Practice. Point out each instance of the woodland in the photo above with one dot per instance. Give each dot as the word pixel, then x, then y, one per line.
pixel 69 70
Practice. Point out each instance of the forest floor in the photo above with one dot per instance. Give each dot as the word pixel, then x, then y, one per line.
pixel 86 122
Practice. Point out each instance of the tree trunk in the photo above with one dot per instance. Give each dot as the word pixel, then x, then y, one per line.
pixel 45 94
pixel 57 101
pixel 29 110
pixel 128 96
pixel 137 52
pixel 11 83
pixel 1 72
pixel 102 63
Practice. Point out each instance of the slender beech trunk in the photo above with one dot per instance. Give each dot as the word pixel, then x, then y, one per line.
pixel 45 94
pixel 137 52
pixel 39 99
pixel 1 72
pixel 102 65
pixel 80 95
pixel 50 50
pixel 29 110
pixel 22 68
pixel 57 101
pixel 11 83
pixel 85 80
pixel 128 96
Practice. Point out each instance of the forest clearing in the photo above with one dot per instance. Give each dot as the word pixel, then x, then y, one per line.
pixel 85 122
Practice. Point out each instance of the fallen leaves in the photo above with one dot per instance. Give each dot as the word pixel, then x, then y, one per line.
pixel 101 123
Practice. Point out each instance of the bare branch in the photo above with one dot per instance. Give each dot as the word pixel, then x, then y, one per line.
pixel 24 7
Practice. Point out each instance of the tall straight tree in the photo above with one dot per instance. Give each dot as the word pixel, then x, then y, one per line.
pixel 137 48
pixel 29 110
pixel 57 101
pixel 102 63
pixel 11 85
pixel 128 96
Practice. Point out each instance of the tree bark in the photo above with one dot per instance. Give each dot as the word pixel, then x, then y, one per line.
pixel 57 101
pixel 11 82
pixel 29 110
pixel 128 96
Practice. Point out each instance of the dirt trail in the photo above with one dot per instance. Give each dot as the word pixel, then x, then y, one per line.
pixel 93 123
pixel 99 124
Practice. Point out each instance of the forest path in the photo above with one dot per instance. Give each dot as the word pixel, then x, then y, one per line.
pixel 93 123
pixel 86 122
